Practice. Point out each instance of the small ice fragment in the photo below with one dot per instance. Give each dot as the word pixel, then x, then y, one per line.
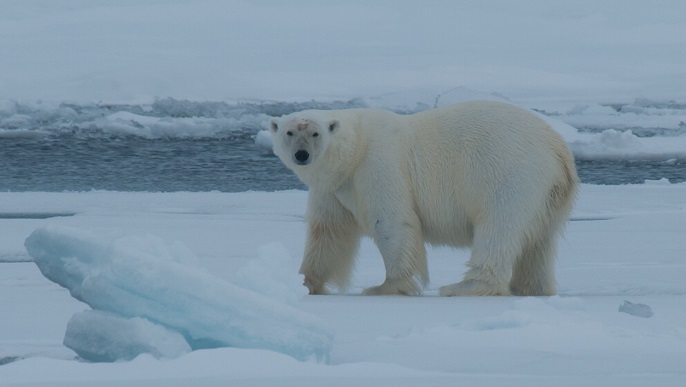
pixel 638 310
pixel 105 337
pixel 264 140
pixel 662 181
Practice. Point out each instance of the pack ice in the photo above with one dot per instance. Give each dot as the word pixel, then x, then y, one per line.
pixel 150 297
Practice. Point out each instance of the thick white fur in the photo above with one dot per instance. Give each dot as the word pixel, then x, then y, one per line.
pixel 483 174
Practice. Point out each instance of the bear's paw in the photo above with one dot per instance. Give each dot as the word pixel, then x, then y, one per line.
pixel 472 287
pixel 404 287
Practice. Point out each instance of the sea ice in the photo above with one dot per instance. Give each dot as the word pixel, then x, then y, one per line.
pixel 273 275
pixel 126 277
pixel 105 337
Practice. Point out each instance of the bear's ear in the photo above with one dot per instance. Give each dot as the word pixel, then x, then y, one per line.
pixel 274 125
pixel 333 125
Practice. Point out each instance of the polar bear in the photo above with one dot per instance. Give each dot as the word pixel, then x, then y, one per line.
pixel 481 174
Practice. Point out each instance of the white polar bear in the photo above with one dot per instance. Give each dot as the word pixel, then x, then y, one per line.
pixel 483 174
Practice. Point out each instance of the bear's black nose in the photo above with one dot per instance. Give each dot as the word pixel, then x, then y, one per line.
pixel 302 156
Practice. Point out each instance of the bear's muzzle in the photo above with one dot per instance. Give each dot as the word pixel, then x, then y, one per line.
pixel 302 157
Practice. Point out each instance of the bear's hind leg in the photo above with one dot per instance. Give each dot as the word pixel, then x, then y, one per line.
pixel 534 271
pixel 490 264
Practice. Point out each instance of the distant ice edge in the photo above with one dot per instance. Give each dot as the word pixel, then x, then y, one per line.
pixel 142 285
pixel 653 130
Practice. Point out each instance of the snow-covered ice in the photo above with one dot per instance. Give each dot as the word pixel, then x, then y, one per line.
pixel 128 278
pixel 623 243
pixel 273 274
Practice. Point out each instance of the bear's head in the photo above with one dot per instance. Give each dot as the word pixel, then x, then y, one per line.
pixel 300 139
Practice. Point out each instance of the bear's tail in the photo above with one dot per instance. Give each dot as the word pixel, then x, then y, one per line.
pixel 563 193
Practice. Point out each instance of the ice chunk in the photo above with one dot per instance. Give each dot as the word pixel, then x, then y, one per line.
pixel 273 274
pixel 662 181
pixel 638 310
pixel 111 274
pixel 105 337
pixel 264 140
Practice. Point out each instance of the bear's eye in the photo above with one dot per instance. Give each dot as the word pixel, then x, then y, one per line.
pixel 289 133
pixel 315 134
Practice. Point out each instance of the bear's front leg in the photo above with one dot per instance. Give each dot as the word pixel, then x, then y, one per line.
pixel 333 238
pixel 402 248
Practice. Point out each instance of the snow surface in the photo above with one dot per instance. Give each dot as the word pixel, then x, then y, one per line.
pixel 624 243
